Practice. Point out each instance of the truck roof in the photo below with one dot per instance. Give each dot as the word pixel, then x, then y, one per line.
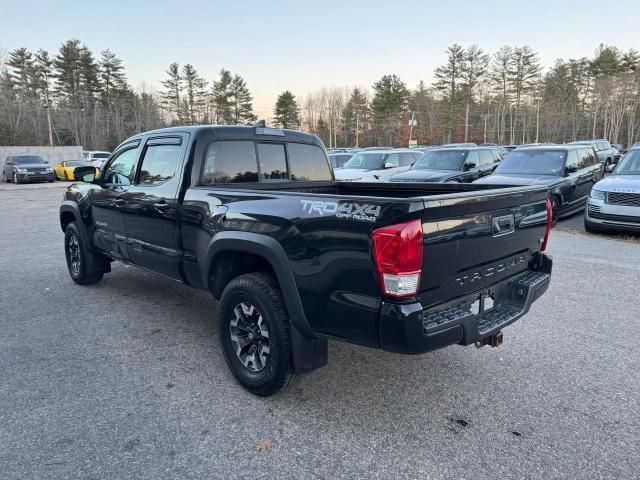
pixel 238 132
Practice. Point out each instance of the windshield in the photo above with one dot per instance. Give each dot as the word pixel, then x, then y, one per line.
pixel 630 164
pixel 366 161
pixel 76 164
pixel 533 162
pixel 441 160
pixel 28 159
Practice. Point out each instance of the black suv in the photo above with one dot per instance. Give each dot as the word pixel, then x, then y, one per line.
pixel 448 164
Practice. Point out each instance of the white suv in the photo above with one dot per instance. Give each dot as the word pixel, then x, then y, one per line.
pixel 376 165
pixel 96 157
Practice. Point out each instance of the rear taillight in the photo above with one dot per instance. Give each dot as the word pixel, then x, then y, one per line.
pixel 548 229
pixel 397 251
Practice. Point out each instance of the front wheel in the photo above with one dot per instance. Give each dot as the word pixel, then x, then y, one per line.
pixel 84 266
pixel 15 178
pixel 255 334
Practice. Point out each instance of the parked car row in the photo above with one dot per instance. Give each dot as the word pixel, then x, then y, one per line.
pixel 33 168
pixel 573 173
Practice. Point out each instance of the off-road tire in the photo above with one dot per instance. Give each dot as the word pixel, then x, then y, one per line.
pixel 91 266
pixel 261 291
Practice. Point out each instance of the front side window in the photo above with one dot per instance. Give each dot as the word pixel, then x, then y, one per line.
pixel 159 164
pixel 273 162
pixel 120 169
pixel 230 162
pixel 308 163
pixel 574 158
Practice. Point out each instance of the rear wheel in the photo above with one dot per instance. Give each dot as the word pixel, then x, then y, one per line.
pixel 255 334
pixel 85 267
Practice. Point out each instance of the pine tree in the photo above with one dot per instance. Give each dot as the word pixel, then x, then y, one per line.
pixel 194 86
pixel 171 96
pixel 356 116
pixel 241 102
pixel 222 98
pixel 111 74
pixel 21 65
pixel 389 101
pixel 285 112
pixel 448 81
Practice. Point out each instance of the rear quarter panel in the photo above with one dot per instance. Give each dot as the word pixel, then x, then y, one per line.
pixel 326 239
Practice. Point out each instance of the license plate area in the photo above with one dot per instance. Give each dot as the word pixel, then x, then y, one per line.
pixel 484 301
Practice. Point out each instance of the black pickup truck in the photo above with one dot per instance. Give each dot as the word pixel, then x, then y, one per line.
pixel 254 215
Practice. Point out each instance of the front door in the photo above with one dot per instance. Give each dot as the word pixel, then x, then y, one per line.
pixel 152 203
pixel 107 203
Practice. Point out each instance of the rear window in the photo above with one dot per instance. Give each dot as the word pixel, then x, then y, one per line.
pixel 273 162
pixel 101 155
pixel 308 163
pixel 230 162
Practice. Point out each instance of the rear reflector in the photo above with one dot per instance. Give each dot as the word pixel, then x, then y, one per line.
pixel 548 229
pixel 397 251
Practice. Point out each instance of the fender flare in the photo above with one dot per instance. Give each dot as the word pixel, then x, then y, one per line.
pixel 72 207
pixel 309 352
pixel 272 252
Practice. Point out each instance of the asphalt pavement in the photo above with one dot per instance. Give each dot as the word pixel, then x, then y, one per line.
pixel 125 379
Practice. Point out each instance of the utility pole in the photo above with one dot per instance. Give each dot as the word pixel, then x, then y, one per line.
pixel 485 127
pixel 48 107
pixel 411 127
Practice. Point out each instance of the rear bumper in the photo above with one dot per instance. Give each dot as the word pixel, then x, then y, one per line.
pixel 408 328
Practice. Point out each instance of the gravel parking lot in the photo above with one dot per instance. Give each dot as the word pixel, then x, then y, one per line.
pixel 125 379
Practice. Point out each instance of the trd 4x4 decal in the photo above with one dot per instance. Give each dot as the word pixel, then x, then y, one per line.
pixel 346 210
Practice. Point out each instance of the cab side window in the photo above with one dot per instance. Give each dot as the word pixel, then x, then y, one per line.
pixel 120 170
pixel 232 161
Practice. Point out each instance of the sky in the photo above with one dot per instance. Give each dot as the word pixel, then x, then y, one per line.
pixel 303 46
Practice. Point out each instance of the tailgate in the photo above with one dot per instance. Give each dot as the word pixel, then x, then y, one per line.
pixel 473 240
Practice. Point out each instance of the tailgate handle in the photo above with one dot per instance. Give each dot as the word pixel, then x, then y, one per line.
pixel 503 225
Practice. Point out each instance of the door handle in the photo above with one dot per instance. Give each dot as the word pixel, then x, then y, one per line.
pixel 117 202
pixel 161 206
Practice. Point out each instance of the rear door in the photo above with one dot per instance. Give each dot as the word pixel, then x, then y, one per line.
pixel 152 204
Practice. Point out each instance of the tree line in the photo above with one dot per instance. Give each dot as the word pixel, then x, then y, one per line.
pixel 503 98
pixel 76 98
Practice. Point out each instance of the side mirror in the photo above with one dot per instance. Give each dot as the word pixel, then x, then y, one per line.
pixel 571 169
pixel 469 166
pixel 389 165
pixel 609 168
pixel 85 174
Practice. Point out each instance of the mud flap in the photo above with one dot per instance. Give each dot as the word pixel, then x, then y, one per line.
pixel 308 353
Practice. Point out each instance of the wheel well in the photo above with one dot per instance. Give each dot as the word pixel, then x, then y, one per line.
pixel 65 219
pixel 229 264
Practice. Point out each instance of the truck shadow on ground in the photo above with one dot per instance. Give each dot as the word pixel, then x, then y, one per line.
pixel 363 387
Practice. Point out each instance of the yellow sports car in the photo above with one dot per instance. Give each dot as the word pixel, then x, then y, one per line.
pixel 64 170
